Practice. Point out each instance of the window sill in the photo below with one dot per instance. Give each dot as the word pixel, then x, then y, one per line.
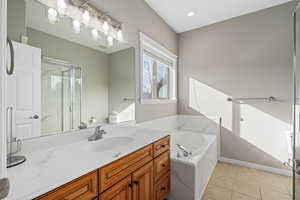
pixel 158 101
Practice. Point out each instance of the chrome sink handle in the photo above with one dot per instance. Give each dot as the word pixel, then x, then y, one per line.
pixel 98 134
pixel 98 129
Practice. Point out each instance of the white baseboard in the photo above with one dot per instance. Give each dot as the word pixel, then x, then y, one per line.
pixel 257 166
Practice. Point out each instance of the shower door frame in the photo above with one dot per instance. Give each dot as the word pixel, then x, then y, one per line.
pixel 70 67
pixel 295 99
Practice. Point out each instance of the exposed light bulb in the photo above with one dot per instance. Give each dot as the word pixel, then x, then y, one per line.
pixel 191 14
pixel 86 17
pixel 120 35
pixel 52 15
pixel 105 27
pixel 61 6
pixel 110 40
pixel 95 34
pixel 76 26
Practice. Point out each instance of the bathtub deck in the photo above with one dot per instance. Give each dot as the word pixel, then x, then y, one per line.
pixel 232 182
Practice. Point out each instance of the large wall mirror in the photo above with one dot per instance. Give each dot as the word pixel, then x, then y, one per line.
pixel 65 75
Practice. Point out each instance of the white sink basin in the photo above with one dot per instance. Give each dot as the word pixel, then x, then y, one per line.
pixel 109 144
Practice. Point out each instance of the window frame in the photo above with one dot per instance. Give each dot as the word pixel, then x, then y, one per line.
pixel 151 46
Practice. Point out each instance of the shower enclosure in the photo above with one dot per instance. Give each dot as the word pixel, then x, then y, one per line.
pixel 61 96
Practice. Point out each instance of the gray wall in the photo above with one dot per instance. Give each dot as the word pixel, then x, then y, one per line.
pixel 122 83
pixel 137 16
pixel 94 67
pixel 16 24
pixel 248 56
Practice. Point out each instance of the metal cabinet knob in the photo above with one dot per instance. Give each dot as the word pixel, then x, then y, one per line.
pixel 34 117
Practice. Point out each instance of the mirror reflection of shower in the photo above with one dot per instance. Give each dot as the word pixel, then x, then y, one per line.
pixel 61 96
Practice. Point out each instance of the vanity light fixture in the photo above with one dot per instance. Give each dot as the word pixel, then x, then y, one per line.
pixel 86 17
pixel 119 34
pixel 52 15
pixel 76 26
pixel 95 34
pixel 81 12
pixel 110 40
pixel 191 14
pixel 61 6
pixel 105 27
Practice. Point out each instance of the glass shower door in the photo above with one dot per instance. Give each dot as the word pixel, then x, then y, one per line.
pixel 71 94
pixel 51 98
pixel 66 101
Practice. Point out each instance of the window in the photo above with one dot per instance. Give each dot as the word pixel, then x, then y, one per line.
pixel 156 78
pixel 158 73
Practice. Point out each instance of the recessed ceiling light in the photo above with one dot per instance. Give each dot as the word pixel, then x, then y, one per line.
pixel 191 13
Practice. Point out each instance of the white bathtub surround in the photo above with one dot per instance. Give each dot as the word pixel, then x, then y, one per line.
pixel 55 160
pixel 191 175
pixel 201 136
pixel 194 123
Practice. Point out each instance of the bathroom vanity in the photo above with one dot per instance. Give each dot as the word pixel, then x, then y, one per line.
pixel 136 166
pixel 142 175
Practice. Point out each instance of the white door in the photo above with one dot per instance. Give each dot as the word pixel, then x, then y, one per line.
pixel 24 91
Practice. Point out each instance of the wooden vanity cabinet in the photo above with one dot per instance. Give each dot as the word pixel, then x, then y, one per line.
pixel 142 175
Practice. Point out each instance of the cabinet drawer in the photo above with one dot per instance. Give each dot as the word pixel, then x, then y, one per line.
pixel 161 165
pixel 162 187
pixel 83 188
pixel 161 146
pixel 116 171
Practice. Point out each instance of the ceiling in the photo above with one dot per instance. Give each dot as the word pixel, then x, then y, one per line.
pixel 207 11
pixel 36 18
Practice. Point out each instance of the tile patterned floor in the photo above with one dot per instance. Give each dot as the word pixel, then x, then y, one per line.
pixel 232 182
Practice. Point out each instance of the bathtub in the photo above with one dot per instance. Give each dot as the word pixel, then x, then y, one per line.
pixel 200 136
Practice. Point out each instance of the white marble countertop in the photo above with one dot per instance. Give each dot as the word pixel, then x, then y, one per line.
pixel 56 160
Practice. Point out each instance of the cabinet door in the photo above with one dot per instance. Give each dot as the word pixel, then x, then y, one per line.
pixel 83 188
pixel 143 183
pixel 120 191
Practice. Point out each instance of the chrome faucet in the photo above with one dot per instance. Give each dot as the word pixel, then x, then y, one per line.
pixel 98 134
pixel 186 153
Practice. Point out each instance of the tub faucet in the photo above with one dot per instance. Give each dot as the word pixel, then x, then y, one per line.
pixel 186 153
pixel 98 134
